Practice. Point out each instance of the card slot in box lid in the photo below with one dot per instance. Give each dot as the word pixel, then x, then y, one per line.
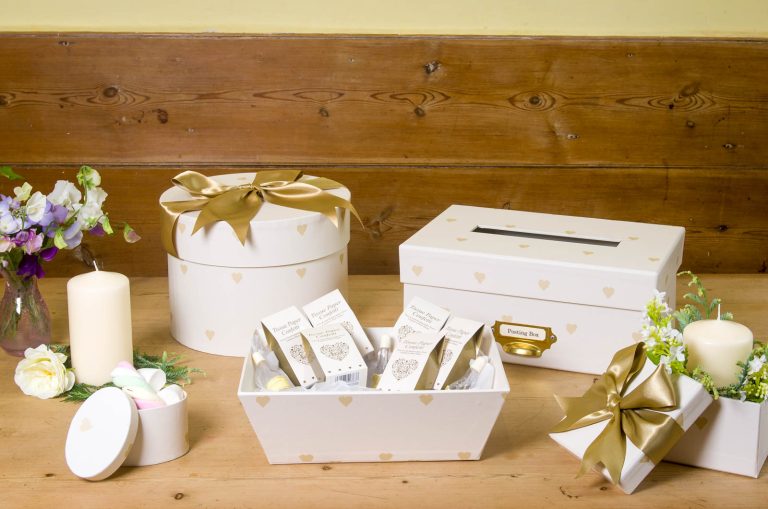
pixel 614 264
pixel 275 233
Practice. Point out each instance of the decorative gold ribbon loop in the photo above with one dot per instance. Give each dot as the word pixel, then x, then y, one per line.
pixel 635 416
pixel 237 205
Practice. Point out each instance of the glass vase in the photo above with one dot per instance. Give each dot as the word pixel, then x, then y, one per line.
pixel 25 321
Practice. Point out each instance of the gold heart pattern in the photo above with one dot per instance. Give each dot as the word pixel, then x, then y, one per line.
pixel 634 238
pixel 385 456
pixel 85 425
pixel 506 318
pixel 509 225
pixel 465 455
pixel 524 246
pixel 337 351
pixel 570 232
pixel 181 227
pixel 237 277
pixel 345 400
pixel 262 401
pixel 447 356
pixel 426 399
pixel 653 259
pixel 450 219
pixel 401 368
pixel 298 353
pixel 608 291
pixel 341 258
pixel 637 336
pixel 306 458
pixel 588 253
pixel 570 327
pixel 543 284
pixel 417 269
pixel 302 229
pixel 480 277
pixel 210 334
pixel 301 272
pixel 461 239
pixel 183 268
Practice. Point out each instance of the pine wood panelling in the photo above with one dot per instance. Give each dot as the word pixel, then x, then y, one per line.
pixel 656 130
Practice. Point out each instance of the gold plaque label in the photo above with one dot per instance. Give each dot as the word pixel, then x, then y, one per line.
pixel 524 340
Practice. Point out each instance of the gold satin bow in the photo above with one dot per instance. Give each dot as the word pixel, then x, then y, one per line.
pixel 636 416
pixel 238 204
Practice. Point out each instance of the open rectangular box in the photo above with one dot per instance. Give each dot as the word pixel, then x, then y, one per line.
pixel 372 426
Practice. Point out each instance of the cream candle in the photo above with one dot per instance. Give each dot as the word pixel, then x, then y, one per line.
pixel 716 346
pixel 99 324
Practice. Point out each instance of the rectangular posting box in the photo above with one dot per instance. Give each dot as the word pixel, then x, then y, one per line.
pixel 586 281
pixel 372 426
pixel 730 436
pixel 220 289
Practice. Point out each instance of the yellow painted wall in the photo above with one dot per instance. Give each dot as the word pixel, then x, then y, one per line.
pixel 722 18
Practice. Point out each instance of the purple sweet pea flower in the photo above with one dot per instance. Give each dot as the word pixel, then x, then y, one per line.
pixel 73 235
pixel 48 254
pixel 55 214
pixel 30 241
pixel 30 266
pixel 21 238
pixel 97 230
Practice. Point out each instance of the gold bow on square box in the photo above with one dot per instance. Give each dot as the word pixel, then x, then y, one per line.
pixel 636 415
pixel 237 205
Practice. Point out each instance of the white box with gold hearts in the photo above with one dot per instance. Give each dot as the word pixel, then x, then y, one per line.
pixel 372 426
pixel 584 280
pixel 220 289
pixel 730 436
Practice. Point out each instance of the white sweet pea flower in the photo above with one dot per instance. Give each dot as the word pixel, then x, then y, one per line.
pixel 89 215
pixel 88 177
pixel 96 195
pixel 42 373
pixel 23 192
pixel 9 224
pixel 65 193
pixel 36 207
pixel 756 364
pixel 5 244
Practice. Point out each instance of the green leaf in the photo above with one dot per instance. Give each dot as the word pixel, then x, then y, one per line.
pixel 58 239
pixel 106 225
pixel 7 172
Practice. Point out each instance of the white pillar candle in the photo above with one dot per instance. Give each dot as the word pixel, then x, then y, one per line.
pixel 99 325
pixel 716 346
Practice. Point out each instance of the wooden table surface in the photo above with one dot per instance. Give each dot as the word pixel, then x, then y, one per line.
pixel 225 467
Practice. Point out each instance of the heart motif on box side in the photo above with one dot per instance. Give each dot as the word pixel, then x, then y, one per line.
pixel 337 351
pixel 637 336
pixel 210 334
pixel 509 225
pixel 345 400
pixel 608 291
pixel 570 327
pixel 301 272
pixel 417 269
pixel 461 239
pixel 298 353
pixel 465 455
pixel 341 258
pixel 480 277
pixel 237 277
pixel 543 284
pixel 653 259
pixel 426 399
pixel 570 232
pixel 306 458
pixel 401 368
pixel 85 425
pixel 302 229
pixel 183 268
pixel 633 238
pixel 181 227
pixel 506 318
pixel 404 331
pixel 447 356
pixel 385 456
pixel 262 401
pixel 450 219
pixel 588 253
pixel 524 246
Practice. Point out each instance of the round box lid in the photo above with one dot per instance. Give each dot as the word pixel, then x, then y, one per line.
pixel 278 235
pixel 101 434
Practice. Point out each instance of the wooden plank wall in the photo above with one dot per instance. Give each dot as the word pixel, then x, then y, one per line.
pixel 655 130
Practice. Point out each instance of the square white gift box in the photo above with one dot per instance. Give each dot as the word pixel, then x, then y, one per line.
pixel 579 281
pixel 730 436
pixel 650 383
pixel 220 288
pixel 373 426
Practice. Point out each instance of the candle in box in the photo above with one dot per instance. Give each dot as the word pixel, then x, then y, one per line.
pixel 716 346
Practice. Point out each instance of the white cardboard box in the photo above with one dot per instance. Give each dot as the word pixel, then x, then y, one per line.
pixel 219 289
pixel 587 280
pixel 372 426
pixel 731 436
pixel 693 399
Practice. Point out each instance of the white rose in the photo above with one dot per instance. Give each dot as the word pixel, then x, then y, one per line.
pixel 22 193
pixel 42 373
pixel 65 193
pixel 36 207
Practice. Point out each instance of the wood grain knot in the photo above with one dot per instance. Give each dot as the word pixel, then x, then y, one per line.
pixel 110 92
pixel 323 112
pixel 431 67
pixel 419 112
pixel 534 101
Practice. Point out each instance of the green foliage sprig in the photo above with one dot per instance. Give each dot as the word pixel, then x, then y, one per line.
pixel 699 307
pixel 168 363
